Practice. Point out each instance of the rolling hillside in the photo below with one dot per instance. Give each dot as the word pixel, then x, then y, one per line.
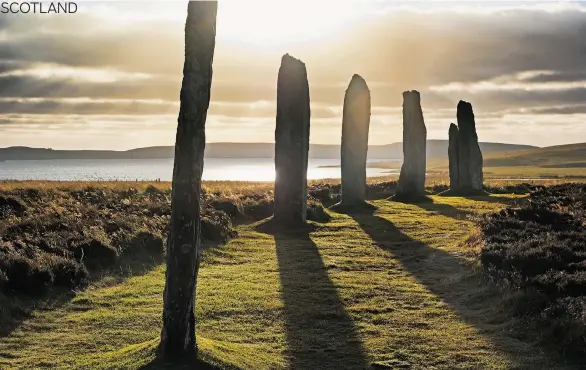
pixel 560 161
pixel 560 156
pixel 435 149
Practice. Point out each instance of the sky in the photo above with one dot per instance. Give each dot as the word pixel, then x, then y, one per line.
pixel 109 76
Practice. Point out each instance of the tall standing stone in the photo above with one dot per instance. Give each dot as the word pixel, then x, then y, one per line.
pixel 470 157
pixel 355 126
pixel 411 184
pixel 453 157
pixel 291 141
pixel 183 254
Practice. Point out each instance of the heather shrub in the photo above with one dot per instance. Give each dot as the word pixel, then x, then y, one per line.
pixel 539 250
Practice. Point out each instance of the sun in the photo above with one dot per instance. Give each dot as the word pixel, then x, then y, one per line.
pixel 263 24
pixel 273 23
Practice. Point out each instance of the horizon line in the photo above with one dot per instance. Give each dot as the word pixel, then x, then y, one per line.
pixel 272 143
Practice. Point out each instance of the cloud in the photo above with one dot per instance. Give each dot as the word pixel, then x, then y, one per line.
pixel 28 86
pixel 559 76
pixel 497 100
pixel 84 106
pixel 565 109
pixel 403 47
pixel 7 66
pixel 514 63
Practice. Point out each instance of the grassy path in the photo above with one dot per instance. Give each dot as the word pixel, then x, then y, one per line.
pixel 392 288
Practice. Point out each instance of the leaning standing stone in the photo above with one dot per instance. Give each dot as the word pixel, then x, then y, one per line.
pixel 355 125
pixel 291 141
pixel 411 186
pixel 178 340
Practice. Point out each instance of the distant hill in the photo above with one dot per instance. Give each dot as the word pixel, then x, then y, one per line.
pixel 559 156
pixel 439 148
pixel 435 149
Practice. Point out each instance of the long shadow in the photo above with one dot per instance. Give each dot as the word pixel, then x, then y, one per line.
pixel 195 364
pixel 319 331
pixel 446 210
pixel 482 196
pixel 461 214
pixel 492 199
pixel 431 266
pixel 410 252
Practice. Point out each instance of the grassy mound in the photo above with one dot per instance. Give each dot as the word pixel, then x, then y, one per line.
pixel 540 251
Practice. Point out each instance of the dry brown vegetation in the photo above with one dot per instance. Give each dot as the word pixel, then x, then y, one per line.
pixel 59 235
pixel 537 251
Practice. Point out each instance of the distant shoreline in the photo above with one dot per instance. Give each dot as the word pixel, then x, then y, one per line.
pixel 131 169
pixel 376 163
pixel 388 152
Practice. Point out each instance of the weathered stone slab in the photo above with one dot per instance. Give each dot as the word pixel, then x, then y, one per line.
pixel 355 126
pixel 291 141
pixel 411 186
pixel 453 156
pixel 183 255
pixel 470 157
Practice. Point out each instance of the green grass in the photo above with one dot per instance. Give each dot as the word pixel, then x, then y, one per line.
pixel 398 287
pixel 532 172
pixel 559 156
pixel 561 161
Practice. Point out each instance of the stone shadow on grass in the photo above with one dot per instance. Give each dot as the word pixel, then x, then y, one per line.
pixel 319 331
pixel 462 214
pixel 412 253
pixel 435 269
pixel 446 210
pixel 348 208
pixel 478 195
pixel 159 364
pixel 495 199
pixel 410 198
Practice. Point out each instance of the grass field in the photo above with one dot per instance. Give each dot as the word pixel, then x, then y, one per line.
pixel 560 156
pixel 395 287
pixel 563 161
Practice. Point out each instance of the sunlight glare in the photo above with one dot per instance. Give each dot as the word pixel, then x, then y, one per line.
pixel 264 24
pixel 268 23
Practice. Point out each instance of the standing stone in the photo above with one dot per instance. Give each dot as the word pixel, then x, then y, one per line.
pixel 470 156
pixel 355 125
pixel 453 156
pixel 411 186
pixel 291 142
pixel 183 254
